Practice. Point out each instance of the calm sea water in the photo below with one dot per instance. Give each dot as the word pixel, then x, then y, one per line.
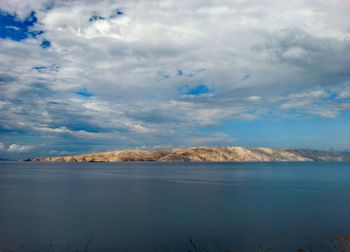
pixel 159 206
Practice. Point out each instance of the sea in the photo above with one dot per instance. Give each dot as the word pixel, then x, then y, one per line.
pixel 154 206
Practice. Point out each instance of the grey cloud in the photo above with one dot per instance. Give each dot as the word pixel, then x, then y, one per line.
pixel 123 61
pixel 323 55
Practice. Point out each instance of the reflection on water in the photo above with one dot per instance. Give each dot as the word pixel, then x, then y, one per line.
pixel 164 206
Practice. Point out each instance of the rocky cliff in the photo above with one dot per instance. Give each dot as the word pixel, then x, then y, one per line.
pixel 205 154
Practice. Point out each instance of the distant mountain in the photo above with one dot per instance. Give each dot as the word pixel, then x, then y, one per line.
pixel 205 154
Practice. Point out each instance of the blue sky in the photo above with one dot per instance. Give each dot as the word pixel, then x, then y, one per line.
pixel 78 76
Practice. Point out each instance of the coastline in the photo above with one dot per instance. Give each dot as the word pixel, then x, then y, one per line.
pixel 204 154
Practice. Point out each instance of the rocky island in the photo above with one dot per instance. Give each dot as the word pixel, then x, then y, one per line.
pixel 205 154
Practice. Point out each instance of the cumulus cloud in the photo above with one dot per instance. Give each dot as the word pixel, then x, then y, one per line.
pixel 15 148
pixel 133 73
pixel 19 148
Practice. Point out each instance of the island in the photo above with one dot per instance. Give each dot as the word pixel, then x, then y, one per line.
pixel 204 154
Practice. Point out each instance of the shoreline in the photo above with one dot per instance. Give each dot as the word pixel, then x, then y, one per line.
pixel 204 155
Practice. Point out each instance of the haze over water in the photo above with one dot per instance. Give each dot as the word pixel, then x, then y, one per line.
pixel 159 206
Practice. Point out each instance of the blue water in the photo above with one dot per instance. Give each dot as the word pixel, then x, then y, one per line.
pixel 159 206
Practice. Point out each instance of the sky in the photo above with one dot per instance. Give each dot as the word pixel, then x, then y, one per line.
pixel 87 76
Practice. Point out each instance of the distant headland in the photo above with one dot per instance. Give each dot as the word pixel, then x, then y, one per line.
pixel 205 154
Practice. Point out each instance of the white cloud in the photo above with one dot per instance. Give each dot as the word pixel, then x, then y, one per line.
pixel 130 64
pixel 343 90
pixel 17 148
pixel 77 133
pixel 295 53
pixel 254 98
pixel 315 102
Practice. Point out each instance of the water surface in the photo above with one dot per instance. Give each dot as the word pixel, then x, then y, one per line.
pixel 159 206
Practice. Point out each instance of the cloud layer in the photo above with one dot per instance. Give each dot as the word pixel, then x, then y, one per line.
pixel 160 73
pixel 15 148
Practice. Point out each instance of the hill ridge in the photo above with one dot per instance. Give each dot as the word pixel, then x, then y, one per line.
pixel 204 154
